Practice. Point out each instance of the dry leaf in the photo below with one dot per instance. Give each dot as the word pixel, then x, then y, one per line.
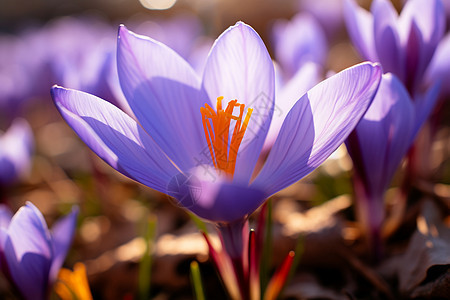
pixel 424 269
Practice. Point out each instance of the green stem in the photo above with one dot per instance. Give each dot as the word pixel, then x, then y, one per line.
pixel 196 280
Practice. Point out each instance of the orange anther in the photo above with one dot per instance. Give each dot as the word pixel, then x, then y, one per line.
pixel 216 125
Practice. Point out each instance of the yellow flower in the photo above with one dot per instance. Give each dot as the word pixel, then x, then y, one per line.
pixel 73 285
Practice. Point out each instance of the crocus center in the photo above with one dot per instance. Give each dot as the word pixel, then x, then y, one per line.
pixel 222 147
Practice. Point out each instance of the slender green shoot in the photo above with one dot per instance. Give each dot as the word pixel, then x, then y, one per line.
pixel 145 265
pixel 196 280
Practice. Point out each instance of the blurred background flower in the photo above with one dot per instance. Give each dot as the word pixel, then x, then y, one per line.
pixel 329 13
pixel 403 43
pixel 31 254
pixel 377 147
pixel 16 147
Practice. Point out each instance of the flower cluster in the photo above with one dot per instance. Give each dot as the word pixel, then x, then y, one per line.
pixel 167 99
pixel 204 155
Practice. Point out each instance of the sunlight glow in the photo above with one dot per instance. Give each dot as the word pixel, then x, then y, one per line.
pixel 158 4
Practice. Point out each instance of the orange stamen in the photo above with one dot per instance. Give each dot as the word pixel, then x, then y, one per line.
pixel 217 130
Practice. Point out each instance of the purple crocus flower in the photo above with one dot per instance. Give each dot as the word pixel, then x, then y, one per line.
pixel 379 143
pixel 327 12
pixel 299 41
pixel 182 147
pixel 16 146
pixel 404 44
pixel 31 254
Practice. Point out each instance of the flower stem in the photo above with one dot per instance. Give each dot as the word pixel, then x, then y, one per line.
pixel 370 212
pixel 235 238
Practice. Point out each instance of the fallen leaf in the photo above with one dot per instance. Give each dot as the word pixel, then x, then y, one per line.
pixel 424 269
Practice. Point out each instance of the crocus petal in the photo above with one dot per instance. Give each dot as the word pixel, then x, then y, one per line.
pixel 215 200
pixel 239 67
pixel 62 235
pixel 292 50
pixel 429 16
pixel 112 81
pixel 387 41
pixel 424 105
pixel 5 216
pixel 383 136
pixel 197 58
pixel 115 137
pixel 415 63
pixel 305 78
pixel 439 69
pixel 423 24
pixel 163 92
pixel 28 252
pixel 5 220
pixel 317 124
pixel 359 23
